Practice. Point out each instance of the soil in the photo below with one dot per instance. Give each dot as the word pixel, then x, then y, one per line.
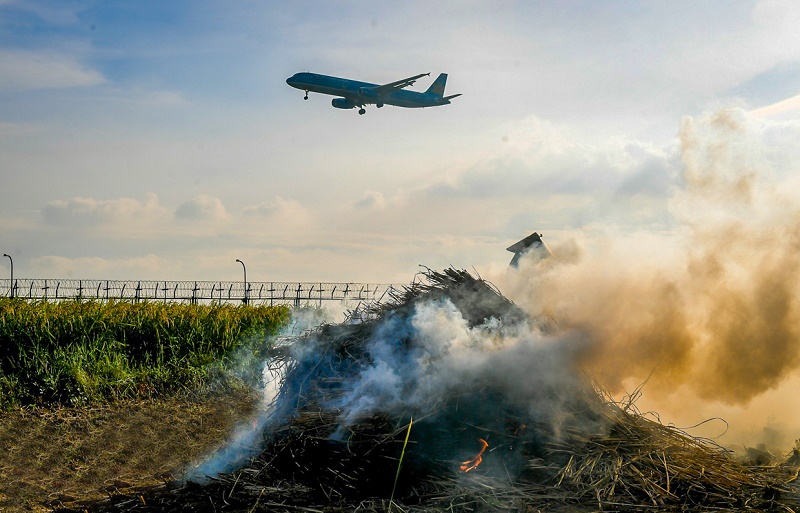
pixel 51 458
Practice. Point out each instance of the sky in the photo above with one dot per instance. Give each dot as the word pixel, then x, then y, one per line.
pixel 159 140
pixel 653 144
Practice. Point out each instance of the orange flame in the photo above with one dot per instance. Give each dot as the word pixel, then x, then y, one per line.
pixel 474 462
pixel 517 432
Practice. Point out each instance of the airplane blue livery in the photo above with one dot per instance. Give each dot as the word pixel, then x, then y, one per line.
pixel 352 93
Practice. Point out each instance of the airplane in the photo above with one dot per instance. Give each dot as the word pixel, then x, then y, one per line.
pixel 353 93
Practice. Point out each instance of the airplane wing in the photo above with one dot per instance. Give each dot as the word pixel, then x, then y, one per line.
pixel 393 86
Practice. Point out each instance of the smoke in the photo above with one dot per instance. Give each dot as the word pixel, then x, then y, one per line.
pixel 708 312
pixel 448 357
pixel 247 439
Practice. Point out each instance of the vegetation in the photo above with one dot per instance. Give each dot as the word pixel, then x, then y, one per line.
pixel 73 353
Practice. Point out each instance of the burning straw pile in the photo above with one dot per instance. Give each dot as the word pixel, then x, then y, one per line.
pixel 448 396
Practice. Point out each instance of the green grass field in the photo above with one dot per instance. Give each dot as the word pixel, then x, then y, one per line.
pixel 71 353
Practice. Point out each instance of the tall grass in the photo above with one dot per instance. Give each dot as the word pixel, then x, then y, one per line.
pixel 78 352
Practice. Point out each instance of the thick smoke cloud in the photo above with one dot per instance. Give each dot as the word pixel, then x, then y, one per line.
pixel 449 356
pixel 709 309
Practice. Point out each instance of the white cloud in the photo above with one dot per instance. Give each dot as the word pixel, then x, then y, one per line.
pixel 25 70
pixel 540 158
pixel 93 267
pixel 371 200
pixel 278 207
pixel 788 108
pixel 280 213
pixel 83 212
pixel 202 208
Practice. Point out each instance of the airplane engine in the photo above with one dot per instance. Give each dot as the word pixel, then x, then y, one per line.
pixel 343 103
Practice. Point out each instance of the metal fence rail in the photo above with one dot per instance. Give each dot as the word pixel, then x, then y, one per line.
pixel 297 293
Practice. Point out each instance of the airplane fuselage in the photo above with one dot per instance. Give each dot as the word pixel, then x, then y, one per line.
pixel 354 93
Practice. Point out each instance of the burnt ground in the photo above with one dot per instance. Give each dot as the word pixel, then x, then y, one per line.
pixel 50 457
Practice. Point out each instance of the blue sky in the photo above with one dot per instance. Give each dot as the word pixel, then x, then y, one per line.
pixel 158 140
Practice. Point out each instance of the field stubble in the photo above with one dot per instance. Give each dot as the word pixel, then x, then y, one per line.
pixel 57 457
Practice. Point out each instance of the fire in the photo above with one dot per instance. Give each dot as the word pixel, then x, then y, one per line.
pixel 517 432
pixel 474 462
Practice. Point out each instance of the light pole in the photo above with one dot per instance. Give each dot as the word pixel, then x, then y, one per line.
pixel 245 280
pixel 12 273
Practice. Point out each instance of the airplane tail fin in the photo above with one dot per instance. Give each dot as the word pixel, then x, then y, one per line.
pixel 437 87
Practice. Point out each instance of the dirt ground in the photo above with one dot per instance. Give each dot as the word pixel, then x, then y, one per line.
pixel 50 458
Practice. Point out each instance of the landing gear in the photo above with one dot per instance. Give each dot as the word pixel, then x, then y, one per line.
pixel 362 111
pixel 306 96
pixel 379 105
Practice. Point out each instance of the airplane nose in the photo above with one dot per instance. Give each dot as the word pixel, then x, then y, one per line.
pixel 292 81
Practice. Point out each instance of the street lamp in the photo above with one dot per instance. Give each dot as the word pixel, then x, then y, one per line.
pixel 245 280
pixel 12 273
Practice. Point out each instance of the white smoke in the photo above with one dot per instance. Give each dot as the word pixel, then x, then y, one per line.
pixel 247 439
pixel 420 362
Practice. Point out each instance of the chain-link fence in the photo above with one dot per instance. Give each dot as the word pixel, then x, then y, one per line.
pixel 296 293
